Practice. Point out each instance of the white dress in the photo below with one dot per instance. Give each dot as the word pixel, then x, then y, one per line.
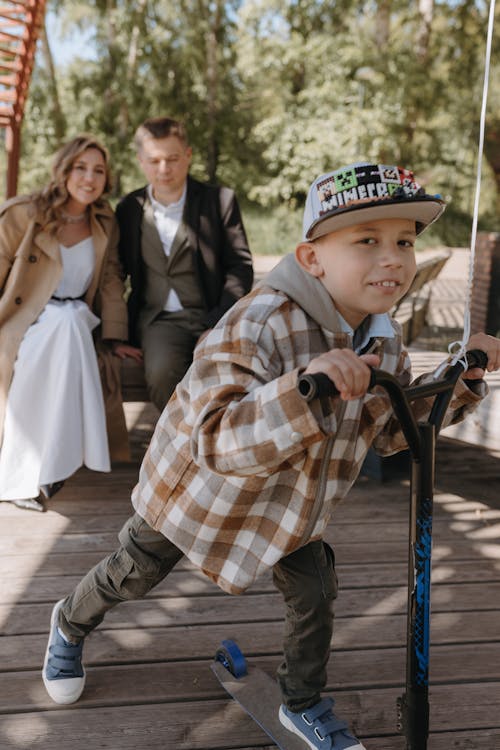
pixel 55 419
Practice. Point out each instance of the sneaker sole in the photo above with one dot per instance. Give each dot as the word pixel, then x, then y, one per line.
pixel 292 728
pixel 51 686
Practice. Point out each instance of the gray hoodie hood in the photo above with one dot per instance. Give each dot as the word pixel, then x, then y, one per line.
pixel 310 294
pixel 307 291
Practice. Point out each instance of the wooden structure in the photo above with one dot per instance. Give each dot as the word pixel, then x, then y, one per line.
pixel 20 23
pixel 411 310
pixel 149 682
pixel 485 297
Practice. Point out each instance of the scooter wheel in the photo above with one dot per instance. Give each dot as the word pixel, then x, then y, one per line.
pixel 231 658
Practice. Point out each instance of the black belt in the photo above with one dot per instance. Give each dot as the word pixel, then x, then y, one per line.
pixel 67 299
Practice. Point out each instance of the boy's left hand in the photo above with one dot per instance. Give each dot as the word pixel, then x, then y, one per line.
pixel 491 346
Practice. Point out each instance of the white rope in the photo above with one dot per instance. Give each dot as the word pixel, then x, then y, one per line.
pixel 457 349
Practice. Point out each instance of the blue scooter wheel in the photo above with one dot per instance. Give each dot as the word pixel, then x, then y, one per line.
pixel 231 658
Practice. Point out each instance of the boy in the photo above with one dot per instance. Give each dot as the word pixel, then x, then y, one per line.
pixel 242 473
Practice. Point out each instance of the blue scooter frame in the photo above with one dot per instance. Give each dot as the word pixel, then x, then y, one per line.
pixel 413 705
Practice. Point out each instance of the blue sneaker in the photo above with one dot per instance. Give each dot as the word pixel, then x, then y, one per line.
pixel 63 674
pixel 320 728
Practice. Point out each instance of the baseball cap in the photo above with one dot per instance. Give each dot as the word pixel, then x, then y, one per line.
pixel 363 192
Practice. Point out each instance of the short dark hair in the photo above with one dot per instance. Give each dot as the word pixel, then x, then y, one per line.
pixel 160 127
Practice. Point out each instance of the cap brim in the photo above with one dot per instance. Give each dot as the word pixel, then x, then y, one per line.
pixel 422 211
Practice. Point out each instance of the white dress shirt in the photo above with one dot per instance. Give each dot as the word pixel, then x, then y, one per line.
pixel 167 220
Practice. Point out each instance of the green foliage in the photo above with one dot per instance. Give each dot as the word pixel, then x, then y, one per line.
pixel 275 92
pixel 274 231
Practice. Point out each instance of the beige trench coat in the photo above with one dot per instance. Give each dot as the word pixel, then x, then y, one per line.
pixel 30 271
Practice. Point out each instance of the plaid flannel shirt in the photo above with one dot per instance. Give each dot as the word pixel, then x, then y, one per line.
pixel 241 471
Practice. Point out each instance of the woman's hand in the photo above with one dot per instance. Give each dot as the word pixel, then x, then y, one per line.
pixel 122 350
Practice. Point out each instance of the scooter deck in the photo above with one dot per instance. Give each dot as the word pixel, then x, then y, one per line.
pixel 259 695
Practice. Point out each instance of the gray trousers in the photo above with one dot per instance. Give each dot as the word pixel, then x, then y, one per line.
pixel 306 579
pixel 168 343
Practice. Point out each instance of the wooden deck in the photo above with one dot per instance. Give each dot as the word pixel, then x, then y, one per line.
pixel 149 681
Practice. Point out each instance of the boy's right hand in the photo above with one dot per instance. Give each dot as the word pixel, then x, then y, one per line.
pixel 349 372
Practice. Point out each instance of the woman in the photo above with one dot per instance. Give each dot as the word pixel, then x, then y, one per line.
pixel 60 279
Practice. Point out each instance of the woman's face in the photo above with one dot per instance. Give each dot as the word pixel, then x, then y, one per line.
pixel 86 180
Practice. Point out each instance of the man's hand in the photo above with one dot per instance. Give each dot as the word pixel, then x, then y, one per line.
pixel 349 372
pixel 123 351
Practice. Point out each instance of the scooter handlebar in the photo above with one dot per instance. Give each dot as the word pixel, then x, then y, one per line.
pixel 477 358
pixel 319 385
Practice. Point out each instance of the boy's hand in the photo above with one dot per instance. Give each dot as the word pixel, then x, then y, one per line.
pixel 491 346
pixel 349 372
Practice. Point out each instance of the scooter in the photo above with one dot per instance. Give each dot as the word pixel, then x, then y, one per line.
pixel 413 705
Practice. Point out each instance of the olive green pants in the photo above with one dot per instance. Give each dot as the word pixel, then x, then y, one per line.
pixel 306 579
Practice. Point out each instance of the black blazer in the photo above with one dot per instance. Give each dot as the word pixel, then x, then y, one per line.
pixel 215 229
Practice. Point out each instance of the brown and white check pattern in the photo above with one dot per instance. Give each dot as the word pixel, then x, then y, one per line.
pixel 241 471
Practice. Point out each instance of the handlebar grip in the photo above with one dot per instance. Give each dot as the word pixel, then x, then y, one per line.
pixel 477 358
pixel 315 386
pixel 319 385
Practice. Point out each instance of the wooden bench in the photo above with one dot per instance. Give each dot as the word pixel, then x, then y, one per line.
pixel 134 386
pixel 410 311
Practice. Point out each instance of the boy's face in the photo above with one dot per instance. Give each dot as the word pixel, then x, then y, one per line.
pixel 366 268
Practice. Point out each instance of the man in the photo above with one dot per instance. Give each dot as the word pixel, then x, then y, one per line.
pixel 184 247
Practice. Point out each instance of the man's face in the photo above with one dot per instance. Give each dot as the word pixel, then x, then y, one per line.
pixel 366 268
pixel 165 163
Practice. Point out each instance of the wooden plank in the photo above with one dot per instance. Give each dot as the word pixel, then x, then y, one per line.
pixel 41 588
pixel 173 681
pixel 70 554
pixel 48 526
pixel 392 516
pixel 54 531
pixel 392 531
pixel 471 711
pixel 195 641
pixel 469 740
pixel 77 563
pixel 157 611
pixel 185 579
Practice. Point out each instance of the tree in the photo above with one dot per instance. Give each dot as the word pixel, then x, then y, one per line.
pixel 277 91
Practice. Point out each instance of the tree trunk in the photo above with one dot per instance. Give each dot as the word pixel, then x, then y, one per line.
pixel 57 115
pixel 426 12
pixel 383 23
pixel 212 90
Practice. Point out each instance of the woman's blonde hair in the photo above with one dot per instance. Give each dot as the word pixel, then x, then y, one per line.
pixel 51 199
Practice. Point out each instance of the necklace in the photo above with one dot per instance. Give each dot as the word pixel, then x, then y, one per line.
pixel 70 219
